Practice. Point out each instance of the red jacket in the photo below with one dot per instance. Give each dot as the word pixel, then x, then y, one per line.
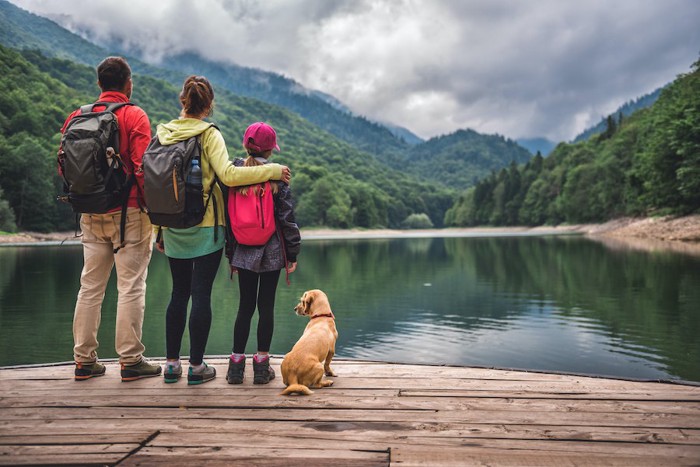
pixel 134 136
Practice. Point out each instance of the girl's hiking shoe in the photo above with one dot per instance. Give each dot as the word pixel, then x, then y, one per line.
pixel 172 373
pixel 262 371
pixel 85 371
pixel 236 371
pixel 201 376
pixel 142 369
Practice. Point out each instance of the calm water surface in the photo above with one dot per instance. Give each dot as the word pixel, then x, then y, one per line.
pixel 544 303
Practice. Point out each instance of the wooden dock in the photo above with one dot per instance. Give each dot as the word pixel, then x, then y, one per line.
pixel 375 414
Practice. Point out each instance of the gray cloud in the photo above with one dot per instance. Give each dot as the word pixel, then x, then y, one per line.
pixel 521 69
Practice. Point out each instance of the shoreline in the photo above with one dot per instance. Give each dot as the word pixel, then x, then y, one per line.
pixel 668 231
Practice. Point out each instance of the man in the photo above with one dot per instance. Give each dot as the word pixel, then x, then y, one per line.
pixel 103 247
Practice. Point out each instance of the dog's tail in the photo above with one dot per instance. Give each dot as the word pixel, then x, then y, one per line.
pixel 300 388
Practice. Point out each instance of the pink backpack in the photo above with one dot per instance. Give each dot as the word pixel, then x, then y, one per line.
pixel 252 215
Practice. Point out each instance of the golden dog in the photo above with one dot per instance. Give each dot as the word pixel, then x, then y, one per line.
pixel 310 358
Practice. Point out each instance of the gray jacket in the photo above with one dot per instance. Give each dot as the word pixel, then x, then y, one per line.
pixel 271 256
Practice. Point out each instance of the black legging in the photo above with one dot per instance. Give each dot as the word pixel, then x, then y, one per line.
pixel 250 295
pixel 191 277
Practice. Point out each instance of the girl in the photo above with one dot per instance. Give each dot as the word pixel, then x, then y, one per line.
pixel 195 253
pixel 258 267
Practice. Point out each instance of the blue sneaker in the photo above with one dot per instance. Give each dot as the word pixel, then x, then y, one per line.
pixel 207 373
pixel 172 373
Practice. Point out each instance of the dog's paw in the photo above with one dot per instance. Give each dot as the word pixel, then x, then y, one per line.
pixel 330 372
pixel 326 382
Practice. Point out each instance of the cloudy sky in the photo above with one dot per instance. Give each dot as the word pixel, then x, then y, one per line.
pixel 518 68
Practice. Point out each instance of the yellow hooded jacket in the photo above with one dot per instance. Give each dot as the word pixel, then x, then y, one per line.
pixel 215 161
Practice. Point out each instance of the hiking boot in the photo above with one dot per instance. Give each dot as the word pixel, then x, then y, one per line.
pixel 236 371
pixel 262 371
pixel 85 371
pixel 202 376
pixel 142 369
pixel 172 373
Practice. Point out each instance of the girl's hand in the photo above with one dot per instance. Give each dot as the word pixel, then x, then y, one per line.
pixel 291 267
pixel 160 246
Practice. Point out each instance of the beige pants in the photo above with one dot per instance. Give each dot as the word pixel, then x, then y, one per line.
pixel 100 237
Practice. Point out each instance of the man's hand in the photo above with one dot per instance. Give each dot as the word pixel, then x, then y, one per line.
pixel 160 246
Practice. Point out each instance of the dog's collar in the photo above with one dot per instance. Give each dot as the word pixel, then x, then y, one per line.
pixel 324 315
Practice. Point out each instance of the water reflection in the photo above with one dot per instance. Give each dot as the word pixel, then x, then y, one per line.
pixel 545 303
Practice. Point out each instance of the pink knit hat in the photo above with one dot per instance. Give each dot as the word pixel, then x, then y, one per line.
pixel 260 137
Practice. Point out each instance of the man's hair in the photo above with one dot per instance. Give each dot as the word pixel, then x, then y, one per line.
pixel 113 73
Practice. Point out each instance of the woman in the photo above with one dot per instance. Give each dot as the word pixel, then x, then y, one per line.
pixel 195 253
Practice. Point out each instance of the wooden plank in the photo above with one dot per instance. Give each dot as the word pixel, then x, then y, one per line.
pixel 447 433
pixel 71 454
pixel 253 398
pixel 50 437
pixel 453 389
pixel 648 420
pixel 252 456
pixel 337 392
pixel 449 412
pixel 436 432
pixel 365 440
pixel 407 456
pixel 628 394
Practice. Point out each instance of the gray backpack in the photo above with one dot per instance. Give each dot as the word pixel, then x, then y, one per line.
pixel 95 179
pixel 174 194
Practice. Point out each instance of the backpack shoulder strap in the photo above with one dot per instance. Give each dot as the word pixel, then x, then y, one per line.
pixel 110 106
pixel 199 141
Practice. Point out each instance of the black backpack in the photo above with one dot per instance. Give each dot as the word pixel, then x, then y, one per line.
pixel 173 199
pixel 95 179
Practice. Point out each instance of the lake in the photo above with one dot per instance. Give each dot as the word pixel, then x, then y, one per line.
pixel 549 303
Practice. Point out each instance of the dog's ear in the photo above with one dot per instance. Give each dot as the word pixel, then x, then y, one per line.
pixel 309 298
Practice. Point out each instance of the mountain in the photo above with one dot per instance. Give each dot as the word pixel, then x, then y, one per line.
pixel 625 110
pixel 404 134
pixel 460 159
pixel 535 145
pixel 24 30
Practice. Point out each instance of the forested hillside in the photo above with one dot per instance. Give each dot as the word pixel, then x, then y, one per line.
pixel 335 184
pixel 648 163
pixel 462 158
